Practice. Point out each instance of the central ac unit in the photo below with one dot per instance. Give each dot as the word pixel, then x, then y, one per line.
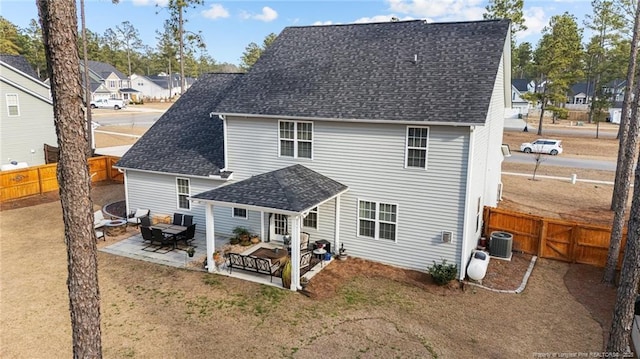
pixel 500 244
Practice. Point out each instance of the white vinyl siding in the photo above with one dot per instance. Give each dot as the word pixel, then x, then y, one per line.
pixel 239 213
pixel 417 145
pixel 377 220
pixel 311 220
pixel 183 191
pixel 13 106
pixel 370 160
pixel 22 138
pixel 295 139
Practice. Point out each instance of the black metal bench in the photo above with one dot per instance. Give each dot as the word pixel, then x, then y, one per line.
pixel 252 264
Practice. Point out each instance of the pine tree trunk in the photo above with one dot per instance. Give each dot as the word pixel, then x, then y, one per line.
pixel 626 154
pixel 623 130
pixel 629 278
pixel 59 26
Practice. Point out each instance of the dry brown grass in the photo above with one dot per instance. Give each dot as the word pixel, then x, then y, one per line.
pixel 357 308
pixel 361 309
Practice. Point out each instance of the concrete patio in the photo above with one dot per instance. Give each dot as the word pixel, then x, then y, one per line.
pixel 134 247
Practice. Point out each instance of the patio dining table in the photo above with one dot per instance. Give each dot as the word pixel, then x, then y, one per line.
pixel 170 229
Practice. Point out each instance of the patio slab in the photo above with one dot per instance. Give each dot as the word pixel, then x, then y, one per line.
pixel 134 247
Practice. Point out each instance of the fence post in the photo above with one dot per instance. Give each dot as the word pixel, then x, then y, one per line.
pixel 39 180
pixel 542 236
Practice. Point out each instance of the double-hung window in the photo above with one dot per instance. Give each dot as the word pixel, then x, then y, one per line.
pixel 311 220
pixel 416 152
pixel 296 139
pixel 183 190
pixel 377 220
pixel 239 213
pixel 13 106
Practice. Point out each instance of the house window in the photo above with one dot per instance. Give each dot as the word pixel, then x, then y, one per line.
pixel 112 83
pixel 13 107
pixel 377 220
pixel 296 139
pixel 240 213
pixel 416 154
pixel 184 191
pixel 311 220
pixel 280 224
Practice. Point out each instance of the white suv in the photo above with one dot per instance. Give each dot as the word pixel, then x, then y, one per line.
pixel 552 147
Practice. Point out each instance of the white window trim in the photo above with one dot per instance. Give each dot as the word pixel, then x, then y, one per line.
pixel 233 213
pixel 17 104
pixel 406 149
pixel 317 212
pixel 377 220
pixel 295 139
pixel 178 193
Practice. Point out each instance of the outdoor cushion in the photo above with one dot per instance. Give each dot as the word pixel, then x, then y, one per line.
pixel 99 220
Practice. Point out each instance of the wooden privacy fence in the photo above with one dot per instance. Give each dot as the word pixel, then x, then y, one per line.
pixel 29 181
pixel 552 238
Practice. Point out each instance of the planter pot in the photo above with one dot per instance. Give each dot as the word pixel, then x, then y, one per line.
pixel 342 257
pixel 190 254
pixel 255 240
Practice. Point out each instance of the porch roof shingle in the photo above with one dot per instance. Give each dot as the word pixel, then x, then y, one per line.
pixel 295 189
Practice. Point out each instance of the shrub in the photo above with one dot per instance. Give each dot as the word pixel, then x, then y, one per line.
pixel 443 273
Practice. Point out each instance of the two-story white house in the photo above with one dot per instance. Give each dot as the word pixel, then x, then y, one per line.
pixel 350 133
pixel 26 119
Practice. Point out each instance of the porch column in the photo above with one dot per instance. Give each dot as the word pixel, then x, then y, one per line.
pixel 262 226
pixel 295 252
pixel 210 237
pixel 336 240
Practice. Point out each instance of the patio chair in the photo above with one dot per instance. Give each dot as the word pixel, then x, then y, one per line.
pixel 99 220
pixel 159 237
pixel 187 235
pixel 305 259
pixel 304 241
pixel 147 235
pixel 177 219
pixel 145 221
pixel 187 220
pixel 135 219
pixel 100 234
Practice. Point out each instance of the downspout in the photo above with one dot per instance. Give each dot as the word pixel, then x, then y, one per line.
pixel 126 192
pixel 466 235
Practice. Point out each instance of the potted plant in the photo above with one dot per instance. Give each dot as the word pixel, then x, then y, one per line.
pixel 243 235
pixel 191 251
pixel 255 239
pixel 304 282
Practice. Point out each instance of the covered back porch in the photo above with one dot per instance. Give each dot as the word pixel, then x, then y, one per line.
pixel 287 196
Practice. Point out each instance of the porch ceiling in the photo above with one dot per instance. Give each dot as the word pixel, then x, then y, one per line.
pixel 292 189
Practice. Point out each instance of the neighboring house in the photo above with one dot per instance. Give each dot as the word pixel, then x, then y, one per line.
pixel 580 94
pixel 113 80
pixel 346 132
pixel 26 120
pixel 160 87
pixel 519 105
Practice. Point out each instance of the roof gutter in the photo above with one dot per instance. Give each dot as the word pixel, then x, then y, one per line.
pixel 244 206
pixel 223 115
pixel 214 177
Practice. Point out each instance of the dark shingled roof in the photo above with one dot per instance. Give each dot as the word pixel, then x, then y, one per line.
pixel 104 70
pixel 582 87
pixel 20 63
pixel 367 71
pixel 185 139
pixel 521 85
pixel 295 188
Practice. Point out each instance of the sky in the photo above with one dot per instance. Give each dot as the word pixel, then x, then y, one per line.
pixel 229 26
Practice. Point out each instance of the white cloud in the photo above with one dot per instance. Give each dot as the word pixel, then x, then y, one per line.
pixel 268 14
pixel 150 2
pixel 216 11
pixel 317 23
pixel 442 10
pixel 535 20
pixel 381 18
